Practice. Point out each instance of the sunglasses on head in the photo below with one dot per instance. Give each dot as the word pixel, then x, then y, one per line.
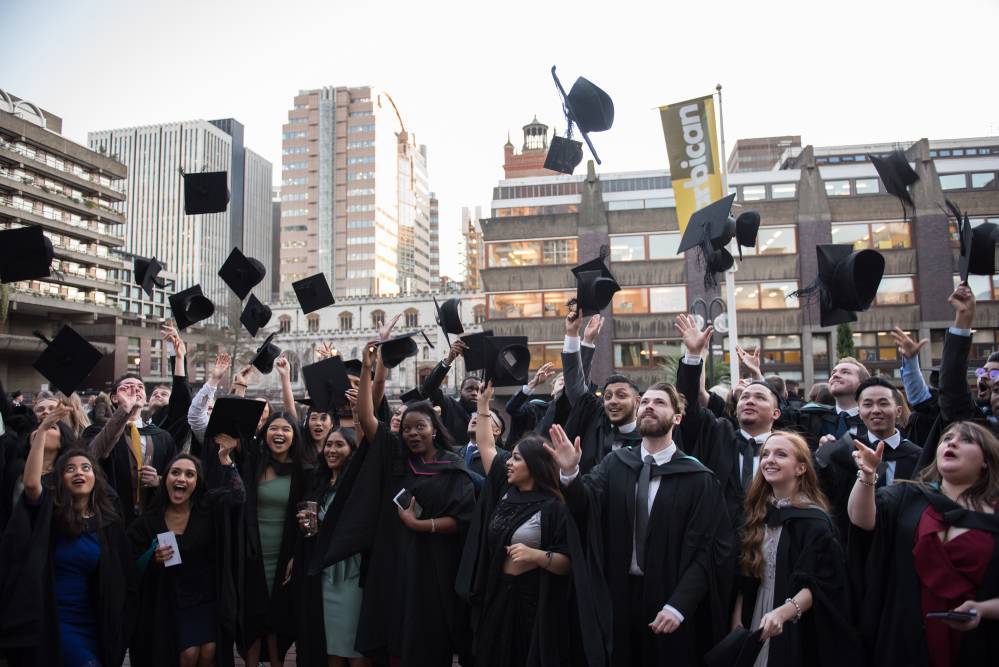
pixel 992 375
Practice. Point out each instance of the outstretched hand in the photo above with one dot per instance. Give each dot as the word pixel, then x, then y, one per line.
pixel 694 339
pixel 868 459
pixel 592 330
pixel 907 345
pixel 565 452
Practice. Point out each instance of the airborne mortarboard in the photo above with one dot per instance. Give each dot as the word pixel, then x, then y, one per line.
pixel 234 416
pixel 739 648
pixel 67 360
pixel 710 229
pixel 25 254
pixel 747 228
pixel 978 245
pixel 411 396
pixel 475 355
pixel 241 273
pixel 847 282
pixel 255 315
pixel 327 383
pixel 145 272
pixel 507 360
pixel 591 110
pixel 449 318
pixel 896 174
pixel 595 286
pixel 207 192
pixel 190 306
pixel 265 356
pixel 313 293
pixel 398 348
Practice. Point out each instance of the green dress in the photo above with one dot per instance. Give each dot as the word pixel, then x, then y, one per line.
pixel 341 600
pixel 272 503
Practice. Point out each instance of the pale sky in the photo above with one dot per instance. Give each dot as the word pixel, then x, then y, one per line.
pixel 464 74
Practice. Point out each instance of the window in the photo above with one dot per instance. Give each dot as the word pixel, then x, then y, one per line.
pixel 360 176
pixel 479 313
pixel 301 180
pixel 632 301
pixel 513 253
pixel 364 159
pixel 360 208
pixel 866 186
pixel 641 354
pixel 896 291
pixel 878 235
pixel 284 324
pixel 671 299
pixel 298 120
pixel 355 192
pixel 627 248
pixel 298 134
pixel 313 322
pixel 295 150
pixel 360 114
pixel 528 304
pixel 838 188
pixel 984 180
pixel 663 246
pixel 294 212
pixel 754 192
pixel 295 165
pixel 412 317
pixel 774 241
pixel 360 129
pixel 953 181
pixel 377 318
pixel 295 228
pixel 555 303
pixel 783 190
pixel 543 353
pixel 559 251
pixel 765 296
pixel 295 196
pixel 360 224
pixel 367 143
pixel 346 321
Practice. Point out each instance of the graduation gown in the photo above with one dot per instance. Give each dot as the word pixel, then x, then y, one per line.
pixel 565 628
pixel 29 629
pixel 809 556
pixel 891 619
pixel 455 412
pixel 410 608
pixel 154 641
pixel 689 552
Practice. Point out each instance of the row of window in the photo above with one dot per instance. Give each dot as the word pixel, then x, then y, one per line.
pixel 360 114
pixel 360 175
pixel 360 224
pixel 976 180
pixel 295 196
pixel 301 180
pixel 356 192
pixel 294 212
pixel 366 143
pixel 294 244
pixel 360 129
pixel 294 150
pixel 360 208
pixel 294 134
pixel 360 240
pixel 291 166
pixel 531 253
pixel 364 159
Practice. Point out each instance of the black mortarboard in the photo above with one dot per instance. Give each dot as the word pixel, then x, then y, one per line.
pixel 207 192
pixel 67 360
pixel 507 360
pixel 411 396
pixel 353 367
pixel 145 272
pixel 710 229
pixel 190 306
pixel 449 318
pixel 847 282
pixel 255 315
pixel 591 110
pixel 265 356
pixel 564 155
pixel 327 383
pixel 234 416
pixel 739 648
pixel 313 293
pixel 475 355
pixel 977 256
pixel 747 227
pixel 896 174
pixel 595 286
pixel 395 350
pixel 25 254
pixel 241 273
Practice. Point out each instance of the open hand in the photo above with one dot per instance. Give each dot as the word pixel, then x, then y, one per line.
pixel 544 373
pixel 565 452
pixel 385 330
pixel 693 339
pixel 221 367
pixel 751 360
pixel 907 345
pixel 868 459
pixel 593 328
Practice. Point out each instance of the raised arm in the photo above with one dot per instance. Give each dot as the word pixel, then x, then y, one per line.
pixel 241 380
pixel 751 360
pixel 381 373
pixel 32 476
pixel 128 407
pixel 284 374
pixel 956 401
pixel 861 507
pixel 572 365
pixel 365 409
pixel 484 427
pixel 915 387
pixel 690 369
pixel 432 385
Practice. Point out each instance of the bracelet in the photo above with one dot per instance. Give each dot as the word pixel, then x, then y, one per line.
pixel 797 609
pixel 866 483
pixel 433 525
pixel 484 414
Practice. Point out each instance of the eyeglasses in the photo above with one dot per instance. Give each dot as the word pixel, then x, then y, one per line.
pixel 992 375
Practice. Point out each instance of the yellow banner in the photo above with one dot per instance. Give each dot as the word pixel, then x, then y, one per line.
pixel 692 147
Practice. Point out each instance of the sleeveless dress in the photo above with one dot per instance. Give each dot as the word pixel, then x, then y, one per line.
pixel 341 599
pixel 272 500
pixel 74 568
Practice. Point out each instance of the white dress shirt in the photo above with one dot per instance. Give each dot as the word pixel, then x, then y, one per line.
pixel 892 441
pixel 761 438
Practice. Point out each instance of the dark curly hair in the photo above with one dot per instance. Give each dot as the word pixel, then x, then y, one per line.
pixel 65 516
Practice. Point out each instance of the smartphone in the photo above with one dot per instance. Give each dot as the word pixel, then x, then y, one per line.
pixel 956 616
pixel 402 500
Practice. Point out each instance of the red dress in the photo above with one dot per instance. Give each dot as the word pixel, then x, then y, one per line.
pixel 950 573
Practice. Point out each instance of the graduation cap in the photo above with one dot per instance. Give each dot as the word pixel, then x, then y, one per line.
pixel 747 228
pixel 595 286
pixel 591 110
pixel 234 416
pixel 711 229
pixel 241 273
pixel 507 360
pixel 264 358
pixel 25 254
pixel 190 306
pixel 897 175
pixel 475 355
pixel 327 382
pixel 398 348
pixel 67 360
pixel 207 192
pixel 847 282
pixel 739 648
pixel 449 318
pixel 313 293
pixel 411 396
pixel 145 272
pixel 255 315
pixel 978 255
pixel 353 367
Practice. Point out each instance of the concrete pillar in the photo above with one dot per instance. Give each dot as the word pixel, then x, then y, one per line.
pixel 592 231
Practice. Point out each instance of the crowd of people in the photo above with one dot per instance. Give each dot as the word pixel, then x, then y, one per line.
pixel 608 525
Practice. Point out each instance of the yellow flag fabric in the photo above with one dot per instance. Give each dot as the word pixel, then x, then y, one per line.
pixel 693 150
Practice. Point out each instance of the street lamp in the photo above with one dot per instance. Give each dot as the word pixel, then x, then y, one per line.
pixel 719 321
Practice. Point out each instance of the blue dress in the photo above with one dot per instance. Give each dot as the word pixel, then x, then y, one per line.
pixel 74 566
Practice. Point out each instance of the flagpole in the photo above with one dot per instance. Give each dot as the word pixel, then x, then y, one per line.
pixel 733 324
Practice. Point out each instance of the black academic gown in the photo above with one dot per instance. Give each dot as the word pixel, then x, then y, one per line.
pixel 410 608
pixel 455 412
pixel 837 473
pixel 809 556
pixel 172 417
pixel 154 642
pixel 565 626
pixel 891 619
pixel 29 630
pixel 689 552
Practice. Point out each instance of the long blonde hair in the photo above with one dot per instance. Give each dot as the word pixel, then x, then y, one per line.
pixel 77 418
pixel 758 499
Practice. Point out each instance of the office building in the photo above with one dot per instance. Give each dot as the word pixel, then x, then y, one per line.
pixel 435 239
pixel 472 254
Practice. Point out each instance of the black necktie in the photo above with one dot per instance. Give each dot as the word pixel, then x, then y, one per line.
pixel 748 447
pixel 642 510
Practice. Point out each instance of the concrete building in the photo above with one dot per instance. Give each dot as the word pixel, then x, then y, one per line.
pixel 354 321
pixel 435 240
pixel 274 268
pixel 472 254
pixel 761 154
pixel 72 193
pixel 815 195
pixel 354 195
